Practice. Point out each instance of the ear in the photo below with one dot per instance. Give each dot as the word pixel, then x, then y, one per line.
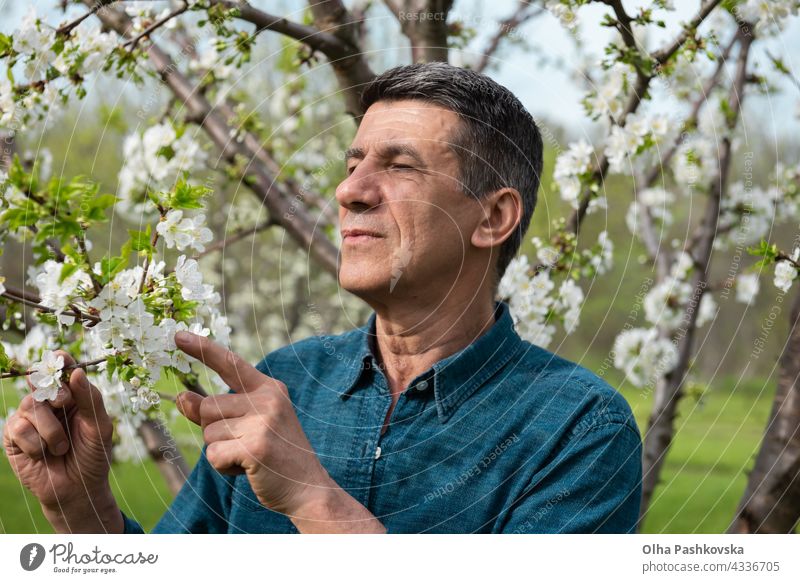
pixel 502 213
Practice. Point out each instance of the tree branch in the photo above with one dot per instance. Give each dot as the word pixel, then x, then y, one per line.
pixel 22 373
pixel 351 69
pixel 334 36
pixel 520 16
pixel 33 301
pixel 155 26
pixel 660 427
pixel 662 258
pixel 236 236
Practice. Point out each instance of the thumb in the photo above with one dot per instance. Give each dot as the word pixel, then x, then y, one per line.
pixel 88 399
pixel 188 403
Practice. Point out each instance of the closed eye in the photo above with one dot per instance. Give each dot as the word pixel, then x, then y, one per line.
pixel 401 167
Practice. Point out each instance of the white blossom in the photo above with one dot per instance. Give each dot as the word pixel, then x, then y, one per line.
pixel 182 232
pixel 54 294
pixel 603 261
pixel 570 299
pixel 707 310
pixel 644 356
pixel 46 376
pixel 665 303
pixel 112 301
pixel 7 104
pixel 682 267
pixel 220 329
pixel 570 165
pixel 612 91
pixel 747 286
pixel 785 273
pixel 33 36
pixel 154 160
pixel 564 13
pixel 187 271
pixel 767 15
pixel 145 399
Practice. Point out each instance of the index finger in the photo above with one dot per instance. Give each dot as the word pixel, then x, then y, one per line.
pixel 237 373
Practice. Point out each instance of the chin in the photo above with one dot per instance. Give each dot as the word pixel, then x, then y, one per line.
pixel 363 280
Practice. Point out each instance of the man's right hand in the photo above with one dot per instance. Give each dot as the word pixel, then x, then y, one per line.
pixel 61 451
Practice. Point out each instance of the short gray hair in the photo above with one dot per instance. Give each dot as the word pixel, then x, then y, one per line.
pixel 498 143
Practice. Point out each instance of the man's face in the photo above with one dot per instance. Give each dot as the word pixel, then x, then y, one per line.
pixel 402 186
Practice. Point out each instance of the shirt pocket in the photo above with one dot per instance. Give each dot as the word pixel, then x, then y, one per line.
pixel 249 516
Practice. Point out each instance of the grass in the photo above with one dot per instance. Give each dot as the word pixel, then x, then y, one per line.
pixel 702 480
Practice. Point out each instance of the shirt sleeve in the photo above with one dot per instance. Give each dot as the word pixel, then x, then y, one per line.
pixel 202 505
pixel 593 485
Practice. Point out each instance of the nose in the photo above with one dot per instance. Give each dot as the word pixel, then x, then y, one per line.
pixel 361 190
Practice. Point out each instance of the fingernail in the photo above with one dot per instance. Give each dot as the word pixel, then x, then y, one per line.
pixel 62 448
pixel 184 337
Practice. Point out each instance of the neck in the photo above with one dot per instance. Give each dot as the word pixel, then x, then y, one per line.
pixel 410 338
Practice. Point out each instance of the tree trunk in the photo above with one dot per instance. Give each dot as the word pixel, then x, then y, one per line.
pixel 424 22
pixel 771 502
pixel 164 451
pixel 669 390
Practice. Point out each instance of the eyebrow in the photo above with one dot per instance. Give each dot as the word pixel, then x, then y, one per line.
pixel 387 151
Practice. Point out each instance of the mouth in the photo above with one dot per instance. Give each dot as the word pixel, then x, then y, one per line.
pixel 357 236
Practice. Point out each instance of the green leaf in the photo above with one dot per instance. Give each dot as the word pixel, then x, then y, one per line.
pixel 5 361
pixel 142 240
pixel 187 196
pixel 19 178
pixel 20 217
pixel 70 251
pixel 6 45
pixel 93 206
pixel 111 266
pixel 67 270
pixel 61 228
pixel 767 252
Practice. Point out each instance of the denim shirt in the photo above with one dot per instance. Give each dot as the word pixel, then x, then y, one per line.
pixel 500 437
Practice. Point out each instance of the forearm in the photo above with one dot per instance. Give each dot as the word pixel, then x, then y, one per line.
pixel 99 514
pixel 332 510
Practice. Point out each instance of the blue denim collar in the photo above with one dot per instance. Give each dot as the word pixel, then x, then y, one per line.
pixel 454 378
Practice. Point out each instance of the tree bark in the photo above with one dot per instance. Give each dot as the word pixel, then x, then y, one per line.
pixel 669 390
pixel 771 501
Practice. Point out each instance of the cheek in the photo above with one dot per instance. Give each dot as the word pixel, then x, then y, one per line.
pixel 432 238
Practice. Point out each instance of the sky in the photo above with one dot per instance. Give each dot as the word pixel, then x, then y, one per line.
pixel 548 90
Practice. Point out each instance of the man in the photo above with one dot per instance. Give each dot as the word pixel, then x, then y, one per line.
pixel 435 416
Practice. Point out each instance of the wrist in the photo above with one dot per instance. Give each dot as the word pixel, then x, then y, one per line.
pixel 330 509
pixel 94 513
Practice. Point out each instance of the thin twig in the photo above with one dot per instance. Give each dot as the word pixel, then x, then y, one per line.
pixel 236 236
pixel 155 26
pixel 70 26
pixel 83 365
pixel 32 300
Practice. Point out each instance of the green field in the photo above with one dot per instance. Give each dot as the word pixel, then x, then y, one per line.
pixel 703 478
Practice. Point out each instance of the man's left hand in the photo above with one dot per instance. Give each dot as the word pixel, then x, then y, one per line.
pixel 254 430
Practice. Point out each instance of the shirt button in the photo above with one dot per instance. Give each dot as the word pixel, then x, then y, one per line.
pixel 377 452
pixel 422 385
